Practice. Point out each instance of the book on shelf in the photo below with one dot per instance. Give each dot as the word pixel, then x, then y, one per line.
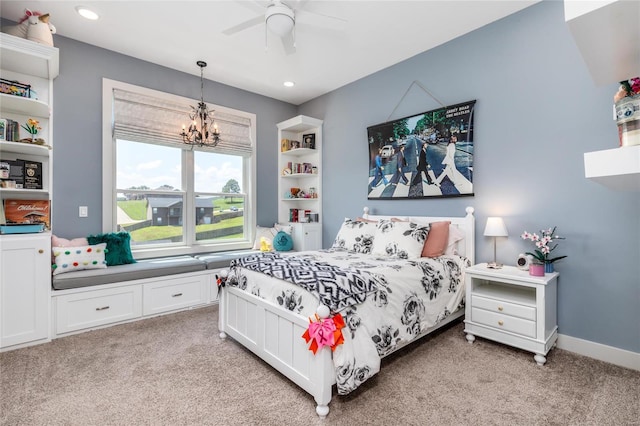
pixel 32 174
pixel 12 174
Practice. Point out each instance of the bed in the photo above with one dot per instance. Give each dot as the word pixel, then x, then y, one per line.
pixel 387 295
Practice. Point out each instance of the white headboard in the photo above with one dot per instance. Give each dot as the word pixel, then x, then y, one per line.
pixel 467 224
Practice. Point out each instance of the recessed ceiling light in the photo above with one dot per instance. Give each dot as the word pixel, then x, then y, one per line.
pixel 87 13
pixel 289 84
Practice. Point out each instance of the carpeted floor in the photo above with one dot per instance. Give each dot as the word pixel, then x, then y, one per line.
pixel 174 370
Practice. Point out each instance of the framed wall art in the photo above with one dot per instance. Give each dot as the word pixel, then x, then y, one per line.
pixel 425 155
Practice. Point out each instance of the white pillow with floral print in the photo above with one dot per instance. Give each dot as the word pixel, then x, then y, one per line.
pixel 403 240
pixel 355 236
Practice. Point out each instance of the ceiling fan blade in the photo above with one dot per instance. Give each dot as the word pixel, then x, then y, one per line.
pixel 288 43
pixel 255 6
pixel 244 25
pixel 329 22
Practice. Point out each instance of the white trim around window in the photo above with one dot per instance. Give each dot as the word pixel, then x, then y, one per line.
pixel 109 169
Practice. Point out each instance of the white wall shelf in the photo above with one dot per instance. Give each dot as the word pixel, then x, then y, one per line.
pixel 617 168
pixel 607 34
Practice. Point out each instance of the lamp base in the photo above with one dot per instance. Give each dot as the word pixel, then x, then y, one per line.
pixel 494 265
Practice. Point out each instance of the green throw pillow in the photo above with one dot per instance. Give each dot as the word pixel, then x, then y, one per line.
pixel 118 246
pixel 282 241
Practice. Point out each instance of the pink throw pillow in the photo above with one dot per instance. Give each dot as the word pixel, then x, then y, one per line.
pixel 63 242
pixel 437 239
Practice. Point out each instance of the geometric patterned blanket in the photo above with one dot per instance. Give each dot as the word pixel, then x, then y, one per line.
pixel 336 287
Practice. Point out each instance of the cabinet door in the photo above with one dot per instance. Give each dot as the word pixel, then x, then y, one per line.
pixel 307 236
pixel 25 287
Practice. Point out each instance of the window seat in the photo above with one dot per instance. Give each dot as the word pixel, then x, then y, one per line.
pixel 96 298
pixel 147 268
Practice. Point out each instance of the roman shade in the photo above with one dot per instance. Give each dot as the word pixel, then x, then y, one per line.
pixel 149 119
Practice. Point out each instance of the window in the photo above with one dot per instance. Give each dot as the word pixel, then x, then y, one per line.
pixel 171 197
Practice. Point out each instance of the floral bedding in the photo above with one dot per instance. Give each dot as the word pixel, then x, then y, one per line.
pixel 395 299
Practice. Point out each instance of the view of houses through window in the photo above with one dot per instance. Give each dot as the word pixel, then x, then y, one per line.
pixel 169 195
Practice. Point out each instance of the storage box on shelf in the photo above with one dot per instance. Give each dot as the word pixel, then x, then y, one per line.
pixel 300 180
pixel 25 277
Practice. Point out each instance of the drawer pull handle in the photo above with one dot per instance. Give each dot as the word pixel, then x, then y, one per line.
pixel 40 251
pixel 500 308
pixel 500 322
pixel 102 308
pixel 176 295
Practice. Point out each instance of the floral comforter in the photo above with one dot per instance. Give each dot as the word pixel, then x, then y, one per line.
pixel 403 298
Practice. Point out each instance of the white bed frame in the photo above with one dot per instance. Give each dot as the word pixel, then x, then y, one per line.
pixel 275 334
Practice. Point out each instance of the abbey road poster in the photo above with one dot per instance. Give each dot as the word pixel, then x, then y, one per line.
pixel 425 155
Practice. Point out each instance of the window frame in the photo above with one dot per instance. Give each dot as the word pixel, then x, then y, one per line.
pixel 190 245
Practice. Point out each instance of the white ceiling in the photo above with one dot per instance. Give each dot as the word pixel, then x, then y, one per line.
pixel 369 36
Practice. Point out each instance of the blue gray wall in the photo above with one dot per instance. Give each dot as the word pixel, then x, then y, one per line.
pixel 537 112
pixel 77 106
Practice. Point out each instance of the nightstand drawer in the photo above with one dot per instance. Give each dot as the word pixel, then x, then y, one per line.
pixel 502 307
pixel 504 322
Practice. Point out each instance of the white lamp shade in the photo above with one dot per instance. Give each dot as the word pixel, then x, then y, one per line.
pixel 495 227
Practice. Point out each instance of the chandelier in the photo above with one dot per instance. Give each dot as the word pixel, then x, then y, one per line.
pixel 203 130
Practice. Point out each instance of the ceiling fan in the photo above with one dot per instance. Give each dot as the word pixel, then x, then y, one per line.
pixel 281 18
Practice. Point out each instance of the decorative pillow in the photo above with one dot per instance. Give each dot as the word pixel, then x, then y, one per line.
pixel 69 259
pixel 437 239
pixel 355 236
pixel 282 241
pixel 403 240
pixel 286 228
pixel 118 247
pixel 267 233
pixel 63 242
pixel 455 235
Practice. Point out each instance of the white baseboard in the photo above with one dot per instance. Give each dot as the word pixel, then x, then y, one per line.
pixel 599 351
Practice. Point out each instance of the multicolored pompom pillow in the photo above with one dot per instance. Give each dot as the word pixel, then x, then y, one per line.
pixel 68 259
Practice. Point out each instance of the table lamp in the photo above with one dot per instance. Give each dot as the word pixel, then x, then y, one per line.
pixel 495 228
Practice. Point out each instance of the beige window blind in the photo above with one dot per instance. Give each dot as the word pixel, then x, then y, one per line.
pixel 148 119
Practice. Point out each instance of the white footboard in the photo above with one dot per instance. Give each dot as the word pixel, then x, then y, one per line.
pixel 275 335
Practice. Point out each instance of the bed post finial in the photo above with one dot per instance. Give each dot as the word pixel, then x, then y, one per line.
pixel 470 210
pixel 366 212
pixel 323 311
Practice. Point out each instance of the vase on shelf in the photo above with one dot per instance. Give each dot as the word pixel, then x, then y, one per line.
pixel 536 270
pixel 548 267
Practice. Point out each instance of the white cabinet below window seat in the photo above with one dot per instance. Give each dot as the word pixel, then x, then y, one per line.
pixel 86 308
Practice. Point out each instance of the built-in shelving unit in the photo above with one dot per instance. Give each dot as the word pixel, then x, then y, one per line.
pixel 25 276
pixel 300 166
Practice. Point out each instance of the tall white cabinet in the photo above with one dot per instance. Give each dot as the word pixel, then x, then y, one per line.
pixel 25 259
pixel 300 180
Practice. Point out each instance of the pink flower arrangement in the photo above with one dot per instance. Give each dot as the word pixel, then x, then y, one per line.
pixel 629 87
pixel 544 244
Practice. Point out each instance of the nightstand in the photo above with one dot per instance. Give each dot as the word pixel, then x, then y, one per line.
pixel 510 306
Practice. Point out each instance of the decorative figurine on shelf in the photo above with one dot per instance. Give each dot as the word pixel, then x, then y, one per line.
pixel 32 126
pixel 34 26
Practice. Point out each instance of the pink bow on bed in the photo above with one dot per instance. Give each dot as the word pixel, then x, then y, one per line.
pixel 324 332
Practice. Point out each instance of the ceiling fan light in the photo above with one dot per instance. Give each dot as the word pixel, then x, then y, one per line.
pixel 280 20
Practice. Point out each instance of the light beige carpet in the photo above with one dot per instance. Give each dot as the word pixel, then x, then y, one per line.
pixel 175 370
